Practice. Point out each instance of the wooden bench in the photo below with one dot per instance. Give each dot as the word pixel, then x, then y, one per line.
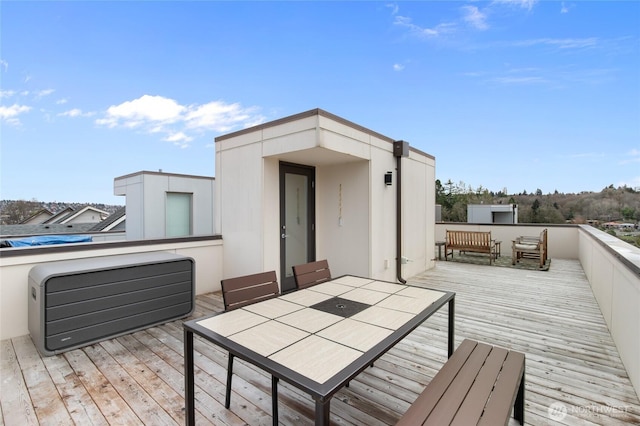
pixel 473 241
pixel 530 248
pixel 478 385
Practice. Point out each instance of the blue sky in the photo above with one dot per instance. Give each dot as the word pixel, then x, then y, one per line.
pixel 522 95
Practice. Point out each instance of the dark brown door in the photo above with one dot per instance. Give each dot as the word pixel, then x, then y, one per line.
pixel 297 220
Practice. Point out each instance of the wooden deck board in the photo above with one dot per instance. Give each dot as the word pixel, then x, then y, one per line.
pixel 138 378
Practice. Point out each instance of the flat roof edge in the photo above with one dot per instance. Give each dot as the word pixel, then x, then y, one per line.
pixel 146 172
pixel 311 113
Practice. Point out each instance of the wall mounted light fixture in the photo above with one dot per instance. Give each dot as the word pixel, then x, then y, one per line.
pixel 388 178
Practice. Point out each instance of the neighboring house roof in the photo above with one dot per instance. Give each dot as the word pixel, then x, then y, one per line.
pixel 115 221
pixel 44 229
pixel 40 216
pixel 56 217
pixel 86 214
pixel 68 223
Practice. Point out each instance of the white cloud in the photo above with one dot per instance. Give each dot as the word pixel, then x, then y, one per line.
pixel 75 112
pixel 145 108
pixel 72 113
pixel 43 93
pixel 217 116
pixel 10 114
pixel 474 17
pixel 179 139
pixel 4 64
pixel 525 4
pixel 440 29
pixel 561 43
pixel 519 80
pixel 398 67
pixel 633 156
pixel 7 93
pixel 160 115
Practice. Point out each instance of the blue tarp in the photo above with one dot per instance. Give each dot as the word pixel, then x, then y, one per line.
pixel 45 240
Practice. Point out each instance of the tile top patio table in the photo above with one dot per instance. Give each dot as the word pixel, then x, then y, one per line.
pixel 319 338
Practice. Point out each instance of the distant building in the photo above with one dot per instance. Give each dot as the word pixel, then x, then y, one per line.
pixel 492 213
pixel 41 216
pixel 67 221
pixel 164 205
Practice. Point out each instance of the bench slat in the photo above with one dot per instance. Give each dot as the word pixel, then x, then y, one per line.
pixel 471 409
pixel 428 399
pixel 456 392
pixel 503 398
pixel 478 385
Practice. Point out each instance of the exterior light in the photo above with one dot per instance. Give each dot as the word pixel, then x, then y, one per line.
pixel 388 178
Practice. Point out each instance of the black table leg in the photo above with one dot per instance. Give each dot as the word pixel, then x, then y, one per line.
pixel 189 391
pixel 452 320
pixel 274 400
pixel 322 412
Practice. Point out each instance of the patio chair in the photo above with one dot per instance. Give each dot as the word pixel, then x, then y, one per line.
pixel 531 248
pixel 312 273
pixel 242 291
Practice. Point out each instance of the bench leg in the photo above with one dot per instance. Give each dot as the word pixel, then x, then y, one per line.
pixel 518 407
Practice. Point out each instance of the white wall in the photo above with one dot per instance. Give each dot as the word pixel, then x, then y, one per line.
pixel 617 289
pixel 561 239
pixel 146 202
pixel 14 274
pixel 355 210
pixel 239 204
pixel 492 213
pixel 342 217
pixel 382 229
pixel 418 210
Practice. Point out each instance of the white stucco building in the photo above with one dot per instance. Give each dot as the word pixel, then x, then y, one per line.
pixel 313 186
pixel 161 205
pixel 492 213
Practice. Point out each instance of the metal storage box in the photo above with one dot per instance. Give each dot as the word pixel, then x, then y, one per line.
pixel 74 303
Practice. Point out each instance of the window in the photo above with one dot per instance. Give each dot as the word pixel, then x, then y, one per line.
pixel 178 214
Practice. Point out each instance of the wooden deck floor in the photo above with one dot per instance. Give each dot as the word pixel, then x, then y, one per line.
pixel 552 316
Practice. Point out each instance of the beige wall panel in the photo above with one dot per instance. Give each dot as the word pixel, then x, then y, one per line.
pixel 383 215
pixel 272 216
pixel 292 127
pixel 240 180
pixel 414 212
pixel 343 144
pixel 239 140
pixel 381 144
pixel 342 217
pixel 349 132
pixel 289 143
pixel 561 239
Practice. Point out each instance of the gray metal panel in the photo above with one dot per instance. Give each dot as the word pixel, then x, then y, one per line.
pixel 80 302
